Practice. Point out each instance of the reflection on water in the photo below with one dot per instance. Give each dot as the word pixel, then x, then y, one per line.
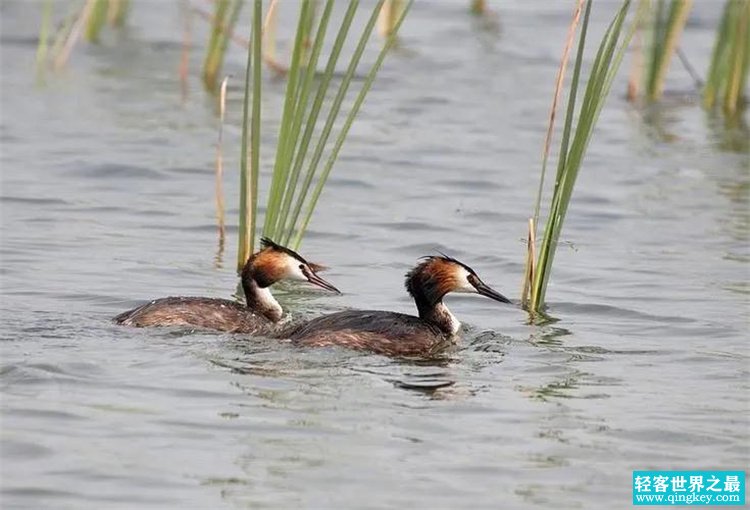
pixel 730 133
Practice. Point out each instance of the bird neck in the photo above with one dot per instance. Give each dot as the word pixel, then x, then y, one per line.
pixel 439 315
pixel 260 300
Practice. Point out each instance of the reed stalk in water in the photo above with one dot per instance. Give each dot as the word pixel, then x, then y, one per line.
pixel 220 170
pixel 225 17
pixel 88 19
pixel 97 18
pixel 293 198
pixel 663 23
pixel 730 62
pixel 478 7
pixel 269 39
pixel 575 141
pixel 559 80
pixel 297 180
pixel 42 49
pixel 389 15
pixel 118 12
pixel 297 223
pixel 250 154
pixel 666 26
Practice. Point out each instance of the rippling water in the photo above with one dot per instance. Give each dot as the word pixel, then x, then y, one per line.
pixel 107 200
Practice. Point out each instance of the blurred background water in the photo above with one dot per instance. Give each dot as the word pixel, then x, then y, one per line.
pixel 107 200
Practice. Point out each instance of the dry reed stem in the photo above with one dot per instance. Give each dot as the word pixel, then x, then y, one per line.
pixel 636 69
pixel 270 22
pixel 671 44
pixel 697 80
pixel 269 40
pixel 531 243
pixel 478 7
pixel 238 39
pixel 116 12
pixel 220 170
pixel 556 98
pixel 528 279
pixel 75 33
pixel 388 16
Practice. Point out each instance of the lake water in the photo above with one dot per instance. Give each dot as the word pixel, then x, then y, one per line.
pixel 107 200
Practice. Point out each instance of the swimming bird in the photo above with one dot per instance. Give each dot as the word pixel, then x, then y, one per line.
pixel 398 334
pixel 261 311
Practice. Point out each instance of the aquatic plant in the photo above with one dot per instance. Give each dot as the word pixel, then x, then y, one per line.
pixel 667 23
pixel 292 198
pixel 118 11
pixel 388 16
pixel 42 49
pixel 250 129
pixel 220 170
pixel 573 145
pixel 226 14
pixel 96 19
pixel 478 7
pixel 730 61
pixel 662 26
pixel 87 20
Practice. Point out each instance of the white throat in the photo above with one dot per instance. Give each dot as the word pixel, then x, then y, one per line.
pixel 267 301
pixel 442 310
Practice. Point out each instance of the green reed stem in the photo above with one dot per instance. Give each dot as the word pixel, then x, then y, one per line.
pixel 291 174
pixel 369 79
pixel 251 153
pixel 225 18
pixel 575 142
pixel 42 50
pixel 96 20
pixel 730 61
pixel 283 153
pixel 667 24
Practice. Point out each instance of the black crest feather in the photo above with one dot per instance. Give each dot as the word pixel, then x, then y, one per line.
pixel 266 243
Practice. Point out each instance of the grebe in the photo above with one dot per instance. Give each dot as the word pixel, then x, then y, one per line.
pixel 266 267
pixel 397 334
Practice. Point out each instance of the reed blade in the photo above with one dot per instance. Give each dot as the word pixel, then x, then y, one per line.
pixel 42 50
pixel 96 19
pixel 250 154
pixel 291 171
pixel 224 19
pixel 575 142
pixel 312 119
pixel 668 22
pixel 280 168
pixel 730 61
pixel 369 79
pixel 118 12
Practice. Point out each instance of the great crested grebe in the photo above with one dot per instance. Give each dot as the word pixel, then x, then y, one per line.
pixel 264 268
pixel 398 334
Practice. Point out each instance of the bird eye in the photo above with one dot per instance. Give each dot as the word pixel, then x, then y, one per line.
pixel 302 266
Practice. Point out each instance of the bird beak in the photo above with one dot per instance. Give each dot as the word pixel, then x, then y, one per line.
pixel 313 278
pixel 487 291
pixel 317 268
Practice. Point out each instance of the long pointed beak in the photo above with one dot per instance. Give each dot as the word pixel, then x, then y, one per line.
pixel 489 292
pixel 320 282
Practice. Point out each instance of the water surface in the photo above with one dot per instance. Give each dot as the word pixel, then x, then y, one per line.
pixel 107 200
